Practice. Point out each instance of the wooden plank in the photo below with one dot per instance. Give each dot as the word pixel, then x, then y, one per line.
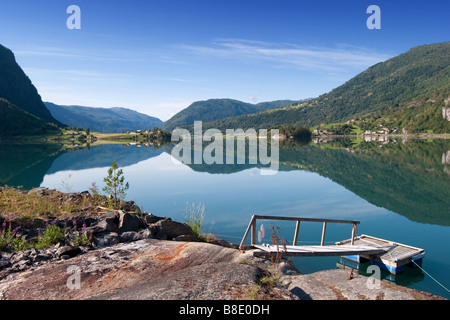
pixel 317 251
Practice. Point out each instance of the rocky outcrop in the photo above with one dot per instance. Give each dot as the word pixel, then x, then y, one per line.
pixel 446 113
pixel 349 285
pixel 175 270
pixel 104 230
pixel 145 269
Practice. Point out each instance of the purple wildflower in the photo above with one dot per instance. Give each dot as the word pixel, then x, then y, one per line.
pixel 53 222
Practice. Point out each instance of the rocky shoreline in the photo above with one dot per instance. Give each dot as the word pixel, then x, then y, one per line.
pixel 142 256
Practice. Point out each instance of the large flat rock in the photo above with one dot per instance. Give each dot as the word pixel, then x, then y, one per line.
pixel 175 270
pixel 145 269
pixel 339 285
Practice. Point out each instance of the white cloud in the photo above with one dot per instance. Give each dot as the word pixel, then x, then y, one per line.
pixel 328 60
pixel 253 98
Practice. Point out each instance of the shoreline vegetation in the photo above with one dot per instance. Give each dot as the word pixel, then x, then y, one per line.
pixel 77 136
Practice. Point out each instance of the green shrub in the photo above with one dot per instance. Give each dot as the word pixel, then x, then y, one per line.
pixel 51 235
pixel 194 218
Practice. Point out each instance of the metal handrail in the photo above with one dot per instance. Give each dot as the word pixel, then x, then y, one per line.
pixel 252 227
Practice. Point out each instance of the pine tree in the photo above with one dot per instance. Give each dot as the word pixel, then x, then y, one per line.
pixel 115 185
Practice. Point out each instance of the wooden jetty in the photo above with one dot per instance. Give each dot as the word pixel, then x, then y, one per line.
pixel 388 255
pixel 394 259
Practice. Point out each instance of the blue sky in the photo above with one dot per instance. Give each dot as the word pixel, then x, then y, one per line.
pixel 157 57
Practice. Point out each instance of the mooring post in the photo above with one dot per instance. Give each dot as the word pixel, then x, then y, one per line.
pixel 324 228
pixel 297 227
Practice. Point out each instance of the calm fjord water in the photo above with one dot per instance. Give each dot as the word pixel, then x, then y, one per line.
pixel 399 191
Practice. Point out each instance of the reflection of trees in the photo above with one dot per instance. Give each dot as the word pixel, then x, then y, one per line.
pixel 26 164
pixel 406 178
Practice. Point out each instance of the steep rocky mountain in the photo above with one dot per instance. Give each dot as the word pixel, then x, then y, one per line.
pixel 17 88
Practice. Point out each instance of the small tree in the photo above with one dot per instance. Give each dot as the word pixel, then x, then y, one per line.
pixel 115 185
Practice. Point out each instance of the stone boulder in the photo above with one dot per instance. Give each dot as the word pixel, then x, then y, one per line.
pixel 68 251
pixel 167 229
pixel 40 191
pixel 129 222
pixel 107 223
pixel 106 239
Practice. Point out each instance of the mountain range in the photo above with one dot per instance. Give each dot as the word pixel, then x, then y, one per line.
pixel 410 92
pixel 216 109
pixel 106 120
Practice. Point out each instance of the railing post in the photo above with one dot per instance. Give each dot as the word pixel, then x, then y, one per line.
pixel 250 225
pixel 297 227
pixel 324 228
pixel 253 232
pixel 353 233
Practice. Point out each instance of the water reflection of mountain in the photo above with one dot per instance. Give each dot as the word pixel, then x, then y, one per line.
pixel 102 156
pixel 411 179
pixel 26 165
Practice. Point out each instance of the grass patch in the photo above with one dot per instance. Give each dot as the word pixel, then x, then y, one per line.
pixel 194 217
pixel 22 205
